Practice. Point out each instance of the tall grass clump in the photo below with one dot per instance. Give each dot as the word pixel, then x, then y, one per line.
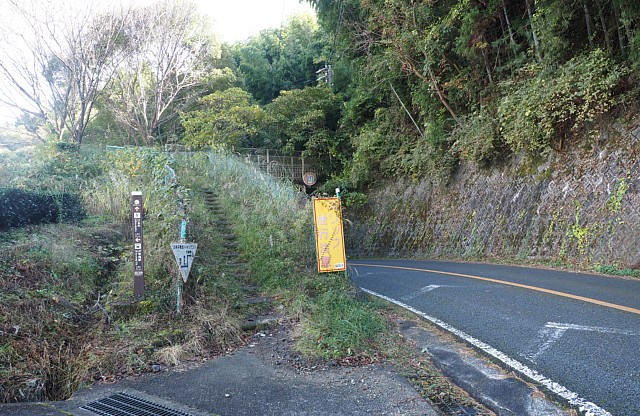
pixel 272 219
pixel 274 223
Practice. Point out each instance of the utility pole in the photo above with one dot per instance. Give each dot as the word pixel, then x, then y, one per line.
pixel 325 74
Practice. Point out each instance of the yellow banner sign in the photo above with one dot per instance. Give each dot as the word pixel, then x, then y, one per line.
pixel 329 235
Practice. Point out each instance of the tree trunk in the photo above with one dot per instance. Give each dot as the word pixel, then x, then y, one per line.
pixel 616 11
pixel 508 22
pixel 441 95
pixel 405 109
pixel 587 19
pixel 486 64
pixel 536 43
pixel 603 23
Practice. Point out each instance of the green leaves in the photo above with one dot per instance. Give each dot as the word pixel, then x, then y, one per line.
pixel 307 120
pixel 227 118
pixel 281 59
pixel 539 111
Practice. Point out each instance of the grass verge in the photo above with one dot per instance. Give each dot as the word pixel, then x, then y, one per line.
pixel 274 225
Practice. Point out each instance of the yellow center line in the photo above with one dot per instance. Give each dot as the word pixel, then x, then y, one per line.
pixel 502 282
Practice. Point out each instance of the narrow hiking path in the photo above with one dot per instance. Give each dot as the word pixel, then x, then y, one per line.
pixel 234 264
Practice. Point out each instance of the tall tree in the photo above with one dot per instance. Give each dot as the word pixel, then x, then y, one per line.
pixel 55 60
pixel 171 53
pixel 281 59
pixel 307 120
pixel 225 118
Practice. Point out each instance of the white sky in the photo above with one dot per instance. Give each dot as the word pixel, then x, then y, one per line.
pixel 236 20
pixel 233 20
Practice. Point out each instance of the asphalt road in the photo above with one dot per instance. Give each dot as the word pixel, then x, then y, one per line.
pixel 576 334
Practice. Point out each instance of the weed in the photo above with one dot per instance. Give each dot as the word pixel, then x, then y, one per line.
pixel 615 270
pixel 615 199
pixel 578 232
pixel 214 329
pixel 338 327
pixel 172 355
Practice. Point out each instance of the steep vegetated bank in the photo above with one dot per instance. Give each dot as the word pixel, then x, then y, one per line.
pixel 67 312
pixel 274 223
pixel 578 206
pixel 488 129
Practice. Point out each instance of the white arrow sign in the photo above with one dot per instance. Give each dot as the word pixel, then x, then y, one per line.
pixel 553 331
pixel 184 253
pixel 422 291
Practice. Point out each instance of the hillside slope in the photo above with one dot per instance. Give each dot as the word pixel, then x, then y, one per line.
pixel 580 206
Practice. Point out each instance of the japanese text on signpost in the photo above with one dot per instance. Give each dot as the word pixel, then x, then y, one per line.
pixel 138 260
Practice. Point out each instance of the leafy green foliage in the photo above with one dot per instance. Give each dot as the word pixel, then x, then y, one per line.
pixel 280 59
pixel 477 138
pixel 307 120
pixel 478 79
pixel 227 118
pixel 537 112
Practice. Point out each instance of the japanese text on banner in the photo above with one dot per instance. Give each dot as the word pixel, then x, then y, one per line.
pixel 329 235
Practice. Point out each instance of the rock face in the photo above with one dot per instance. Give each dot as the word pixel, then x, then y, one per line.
pixel 581 205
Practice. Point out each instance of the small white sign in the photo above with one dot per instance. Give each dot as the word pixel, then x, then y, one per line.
pixel 184 253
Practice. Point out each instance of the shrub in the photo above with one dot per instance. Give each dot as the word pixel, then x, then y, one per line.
pixel 22 208
pixel 476 138
pixel 555 103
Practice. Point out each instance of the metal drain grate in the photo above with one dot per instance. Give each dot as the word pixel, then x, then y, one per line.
pixel 123 404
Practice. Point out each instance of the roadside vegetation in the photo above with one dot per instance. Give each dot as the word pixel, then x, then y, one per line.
pixel 67 313
pixel 408 89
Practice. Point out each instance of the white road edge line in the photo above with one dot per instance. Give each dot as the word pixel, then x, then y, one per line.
pixel 587 407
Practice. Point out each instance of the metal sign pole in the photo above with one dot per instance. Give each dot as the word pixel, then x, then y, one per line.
pixel 183 237
pixel 179 295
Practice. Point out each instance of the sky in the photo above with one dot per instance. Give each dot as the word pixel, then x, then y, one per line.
pixel 233 21
pixel 236 20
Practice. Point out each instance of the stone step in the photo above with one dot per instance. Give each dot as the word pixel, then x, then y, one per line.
pixel 261 325
pixel 255 300
pixel 236 265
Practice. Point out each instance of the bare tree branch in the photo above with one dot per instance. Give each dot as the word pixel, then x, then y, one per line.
pixel 55 61
pixel 171 53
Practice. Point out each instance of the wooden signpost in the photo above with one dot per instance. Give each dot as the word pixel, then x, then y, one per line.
pixel 138 248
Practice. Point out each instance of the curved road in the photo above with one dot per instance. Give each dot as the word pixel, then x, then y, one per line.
pixel 576 334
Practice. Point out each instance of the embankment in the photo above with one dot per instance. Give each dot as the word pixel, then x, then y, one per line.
pixel 580 206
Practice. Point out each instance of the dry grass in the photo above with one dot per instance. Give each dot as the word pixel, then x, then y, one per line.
pixel 213 330
pixel 172 355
